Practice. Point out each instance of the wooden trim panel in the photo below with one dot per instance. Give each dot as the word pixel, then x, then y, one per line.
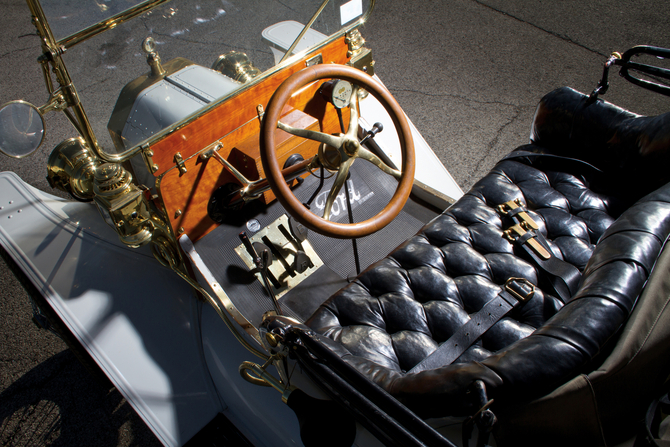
pixel 235 124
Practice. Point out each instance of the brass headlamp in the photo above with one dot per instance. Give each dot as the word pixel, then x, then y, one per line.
pixel 71 168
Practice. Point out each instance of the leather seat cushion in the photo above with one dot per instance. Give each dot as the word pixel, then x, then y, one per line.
pixel 400 309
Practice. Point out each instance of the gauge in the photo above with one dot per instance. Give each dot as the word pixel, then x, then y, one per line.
pixel 341 96
pixel 337 92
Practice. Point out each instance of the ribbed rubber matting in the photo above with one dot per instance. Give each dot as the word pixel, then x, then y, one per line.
pixel 370 190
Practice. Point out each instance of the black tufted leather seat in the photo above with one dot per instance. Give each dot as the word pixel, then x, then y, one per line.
pixel 399 310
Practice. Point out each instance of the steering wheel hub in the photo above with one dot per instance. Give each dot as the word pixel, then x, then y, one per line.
pixel 351 147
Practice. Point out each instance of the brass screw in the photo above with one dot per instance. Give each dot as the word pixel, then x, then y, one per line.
pixel 177 213
pixel 181 230
pixel 271 339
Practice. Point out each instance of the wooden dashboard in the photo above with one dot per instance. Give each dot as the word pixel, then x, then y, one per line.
pixel 186 187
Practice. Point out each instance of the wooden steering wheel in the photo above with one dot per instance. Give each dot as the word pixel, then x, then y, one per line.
pixel 341 153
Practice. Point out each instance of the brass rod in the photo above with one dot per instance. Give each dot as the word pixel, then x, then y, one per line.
pixel 304 30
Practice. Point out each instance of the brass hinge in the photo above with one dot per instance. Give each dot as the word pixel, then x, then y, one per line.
pixel 179 161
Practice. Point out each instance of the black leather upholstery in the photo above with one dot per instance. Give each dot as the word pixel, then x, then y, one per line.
pixel 400 309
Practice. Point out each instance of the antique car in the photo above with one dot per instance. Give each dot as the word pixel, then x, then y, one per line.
pixel 241 278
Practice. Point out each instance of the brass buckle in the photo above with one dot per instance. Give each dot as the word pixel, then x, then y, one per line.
pixel 515 293
pixel 525 225
pixel 527 222
pixel 516 231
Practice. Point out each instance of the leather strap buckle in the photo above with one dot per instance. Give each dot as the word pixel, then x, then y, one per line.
pixel 562 277
pixel 516 208
pixel 517 231
pixel 515 287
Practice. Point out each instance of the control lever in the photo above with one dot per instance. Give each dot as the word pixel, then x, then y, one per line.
pixel 262 262
pixel 264 273
pixel 299 232
pixel 376 128
pixel 257 260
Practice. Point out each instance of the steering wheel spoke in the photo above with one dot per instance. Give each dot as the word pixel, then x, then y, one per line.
pixel 341 177
pixel 365 154
pixel 352 131
pixel 330 140
pixel 347 149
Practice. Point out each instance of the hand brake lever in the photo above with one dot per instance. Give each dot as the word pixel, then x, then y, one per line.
pixel 257 260
pixel 262 262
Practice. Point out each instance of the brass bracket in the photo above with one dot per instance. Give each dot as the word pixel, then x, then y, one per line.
pixel 57 101
pixel 70 94
pixel 361 57
pixel 148 154
pixel 364 62
pixel 179 161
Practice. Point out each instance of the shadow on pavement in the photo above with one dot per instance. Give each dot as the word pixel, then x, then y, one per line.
pixel 58 403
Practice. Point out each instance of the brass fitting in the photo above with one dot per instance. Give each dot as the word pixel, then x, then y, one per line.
pixel 237 66
pixel 123 204
pixel 71 168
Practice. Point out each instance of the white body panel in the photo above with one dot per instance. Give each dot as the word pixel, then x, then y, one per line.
pixel 280 37
pixel 139 321
pixel 429 169
pixel 172 99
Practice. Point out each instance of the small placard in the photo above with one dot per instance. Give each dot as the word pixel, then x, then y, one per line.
pixel 350 10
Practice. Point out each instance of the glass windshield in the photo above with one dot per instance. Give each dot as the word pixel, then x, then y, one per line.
pixel 66 18
pixel 199 31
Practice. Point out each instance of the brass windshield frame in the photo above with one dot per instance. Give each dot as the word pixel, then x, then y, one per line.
pixel 53 50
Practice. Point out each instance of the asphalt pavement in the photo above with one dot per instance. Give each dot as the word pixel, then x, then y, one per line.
pixel 468 73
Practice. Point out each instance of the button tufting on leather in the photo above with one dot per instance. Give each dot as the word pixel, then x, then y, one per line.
pixel 398 311
pixel 426 289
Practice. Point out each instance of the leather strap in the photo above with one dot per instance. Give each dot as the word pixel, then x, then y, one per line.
pixel 562 277
pixel 513 293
